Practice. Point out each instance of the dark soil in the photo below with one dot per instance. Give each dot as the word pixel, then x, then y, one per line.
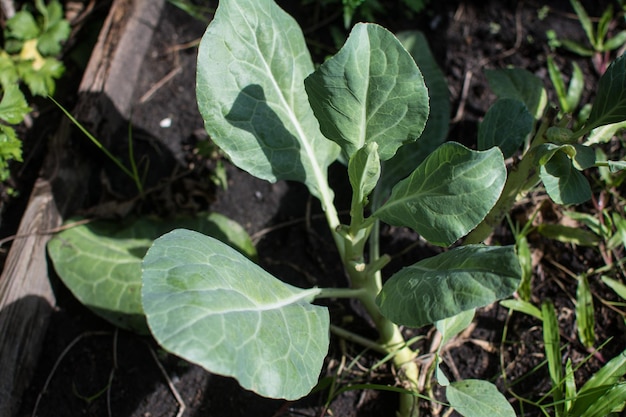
pixel 89 368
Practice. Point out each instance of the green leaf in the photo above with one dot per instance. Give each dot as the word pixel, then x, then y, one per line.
pixel 609 105
pixel 568 98
pixel 616 166
pixel 577 48
pixel 13 106
pixel 449 328
pixel 10 148
pixel 210 305
pixel 617 286
pixel 604 134
pixel 557 81
pixel 506 125
pixel 582 157
pixel 370 91
pixel 56 29
pixel 612 400
pixel 22 26
pixel 585 157
pixel 519 84
pixel 40 81
pixel 576 87
pixel 603 382
pixel 585 320
pixel 616 41
pixel 364 172
pixel 100 262
pixel 448 194
pixel 252 62
pixel 603 25
pixel 568 234
pixel 8 71
pixel 552 347
pixel 412 154
pixel 585 22
pixel 564 184
pixel 570 385
pixel 438 123
pixel 454 325
pixel 477 398
pixel 522 307
pixel 526 263
pixel 447 284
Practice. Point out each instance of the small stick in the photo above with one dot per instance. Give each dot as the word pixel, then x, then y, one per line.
pixel 46 232
pixel 464 92
pixel 113 369
pixel 159 84
pixel 170 384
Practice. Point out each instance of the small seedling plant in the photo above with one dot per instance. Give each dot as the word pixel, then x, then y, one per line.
pixel 551 149
pixel 277 117
pixel 27 55
pixel 601 39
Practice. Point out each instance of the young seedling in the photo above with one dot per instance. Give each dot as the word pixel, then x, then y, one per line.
pixel 601 395
pixel 600 39
pixel 278 118
pixel 553 152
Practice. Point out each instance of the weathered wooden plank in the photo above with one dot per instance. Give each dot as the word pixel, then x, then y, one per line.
pixel 26 296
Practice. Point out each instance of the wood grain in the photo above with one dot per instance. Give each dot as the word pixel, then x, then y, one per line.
pixel 105 93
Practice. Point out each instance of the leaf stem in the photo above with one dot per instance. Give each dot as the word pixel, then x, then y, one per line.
pixel 340 293
pixel 519 180
pixel 356 338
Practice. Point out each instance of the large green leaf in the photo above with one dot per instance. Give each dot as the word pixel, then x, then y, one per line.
pixel 447 284
pixel 252 62
pixel 100 262
pixel 410 155
pixel 212 306
pixel 448 194
pixel 370 91
pixel 609 106
pixel 519 84
pixel 506 125
pixel 477 398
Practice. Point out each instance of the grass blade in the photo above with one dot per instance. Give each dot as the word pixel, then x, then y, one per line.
pixel 552 342
pixel 585 320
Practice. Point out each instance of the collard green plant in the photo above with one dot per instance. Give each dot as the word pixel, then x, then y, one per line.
pixel 554 153
pixel 279 118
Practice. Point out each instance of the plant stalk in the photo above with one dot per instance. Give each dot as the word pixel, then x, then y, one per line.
pixel 366 283
pixel 522 178
pixel 392 341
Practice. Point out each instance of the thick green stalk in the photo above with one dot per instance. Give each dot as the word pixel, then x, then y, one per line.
pixel 516 181
pixel 368 278
pixel 366 283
